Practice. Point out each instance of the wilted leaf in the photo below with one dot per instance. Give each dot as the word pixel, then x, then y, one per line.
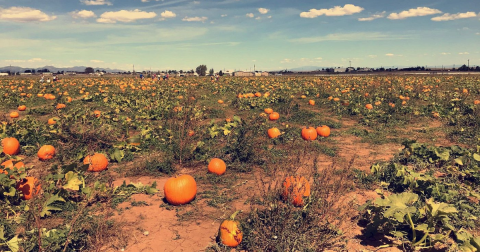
pixel 73 182
pixel 398 205
pixel 48 207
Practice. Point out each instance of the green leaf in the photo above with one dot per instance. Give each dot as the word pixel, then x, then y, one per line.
pixel 397 205
pixel 458 161
pixel 237 119
pixel 444 155
pixel 117 155
pixel 48 205
pixel 476 157
pixel 13 244
pixel 11 192
pixel 73 182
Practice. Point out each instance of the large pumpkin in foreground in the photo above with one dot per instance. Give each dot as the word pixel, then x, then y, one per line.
pixel 180 190
pixel 229 233
pixel 11 146
pixel 295 188
pixel 46 152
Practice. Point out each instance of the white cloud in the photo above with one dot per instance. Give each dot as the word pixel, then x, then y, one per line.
pixel 478 33
pixel 418 12
pixel 145 1
pixel 167 14
pixel 372 56
pixel 258 18
pixel 448 16
pixel 445 53
pixel 287 61
pixel 95 2
pixel 24 14
pixel 250 15
pixel 96 61
pixel 463 53
pixel 125 16
pixel 357 36
pixel 263 10
pixel 390 54
pixel 373 17
pixel 348 9
pixel 32 60
pixel 82 14
pixel 195 19
pixel 196 2
pixel 223 15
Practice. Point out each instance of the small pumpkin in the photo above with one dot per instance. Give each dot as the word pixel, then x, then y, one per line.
pixel 309 134
pixel 191 133
pixel 22 108
pixel 180 190
pixel 273 116
pixel 369 106
pixel 295 188
pixel 97 162
pixel 27 187
pixel 323 131
pixel 268 111
pixel 9 165
pixel 14 114
pixel 52 121
pixel 273 132
pixel 10 146
pixel 217 166
pixel 229 233
pixel 61 106
pixel 97 113
pixel 46 152
pixel 311 102
pixel 220 101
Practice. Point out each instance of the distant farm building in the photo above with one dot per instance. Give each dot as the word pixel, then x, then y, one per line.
pixel 3 74
pixel 243 74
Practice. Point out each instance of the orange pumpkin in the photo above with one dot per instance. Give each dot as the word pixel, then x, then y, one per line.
pixel 51 121
pixel 97 162
pixel 258 94
pixel 217 166
pixel 295 188
pixel 61 106
pixel 11 146
pixel 309 134
pixel 191 133
pixel 273 116
pixel 27 187
pixel 220 101
pixel 273 132
pixel 476 102
pixel 46 152
pixel 368 106
pixel 268 111
pixel 97 113
pixel 180 190
pixel 311 102
pixel 323 131
pixel 14 114
pixel 230 233
pixel 9 165
pixel 22 108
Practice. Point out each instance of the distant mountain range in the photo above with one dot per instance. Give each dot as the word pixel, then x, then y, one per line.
pixel 56 69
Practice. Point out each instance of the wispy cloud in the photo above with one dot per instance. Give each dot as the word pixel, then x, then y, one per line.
pixel 418 12
pixel 357 36
pixel 373 17
pixel 463 53
pixel 348 9
pixel 125 16
pixel 24 14
pixel 167 14
pixel 263 10
pixel 95 2
pixel 250 15
pixel 96 61
pixel 448 16
pixel 82 14
pixel 195 19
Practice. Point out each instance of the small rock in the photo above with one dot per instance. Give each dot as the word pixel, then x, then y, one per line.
pixel 146 233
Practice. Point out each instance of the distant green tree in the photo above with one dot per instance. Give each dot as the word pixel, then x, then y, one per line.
pixel 201 70
pixel 89 70
pixel 220 73
pixel 211 72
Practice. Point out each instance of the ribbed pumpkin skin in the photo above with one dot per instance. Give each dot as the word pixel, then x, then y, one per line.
pixel 26 186
pixel 230 233
pixel 323 131
pixel 309 134
pixel 217 166
pixel 273 132
pixel 274 116
pixel 11 146
pixel 98 162
pixel 14 114
pixel 180 190
pixel 295 188
pixel 46 152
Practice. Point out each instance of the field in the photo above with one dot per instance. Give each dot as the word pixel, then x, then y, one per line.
pixel 399 170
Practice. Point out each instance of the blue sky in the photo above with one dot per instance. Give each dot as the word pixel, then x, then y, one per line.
pixel 237 34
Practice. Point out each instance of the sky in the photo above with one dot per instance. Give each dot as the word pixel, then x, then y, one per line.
pixel 238 34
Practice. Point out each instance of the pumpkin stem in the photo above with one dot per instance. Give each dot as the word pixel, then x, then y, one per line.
pixel 232 217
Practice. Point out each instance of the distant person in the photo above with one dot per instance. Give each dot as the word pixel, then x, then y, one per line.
pixel 42 80
pixel 48 80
